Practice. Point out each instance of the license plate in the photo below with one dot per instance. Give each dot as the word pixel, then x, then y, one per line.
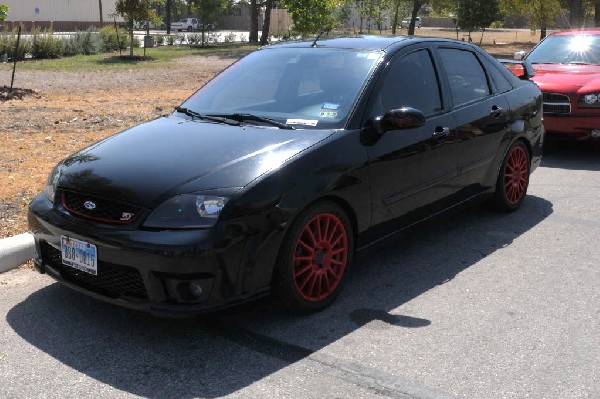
pixel 79 254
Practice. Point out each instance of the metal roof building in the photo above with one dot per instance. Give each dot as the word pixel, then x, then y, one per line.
pixel 59 14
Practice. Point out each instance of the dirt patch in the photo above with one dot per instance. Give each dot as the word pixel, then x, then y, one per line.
pixel 16 93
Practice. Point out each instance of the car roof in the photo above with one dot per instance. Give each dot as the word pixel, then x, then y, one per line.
pixel 588 31
pixel 362 42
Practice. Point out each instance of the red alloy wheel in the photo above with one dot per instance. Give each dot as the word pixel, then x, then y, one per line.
pixel 516 175
pixel 320 257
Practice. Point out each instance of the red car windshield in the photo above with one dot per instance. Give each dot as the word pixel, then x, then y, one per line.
pixel 567 49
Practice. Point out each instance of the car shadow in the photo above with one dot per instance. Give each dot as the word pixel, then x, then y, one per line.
pixel 219 354
pixel 572 155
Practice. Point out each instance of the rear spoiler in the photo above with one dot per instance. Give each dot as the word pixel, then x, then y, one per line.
pixel 521 68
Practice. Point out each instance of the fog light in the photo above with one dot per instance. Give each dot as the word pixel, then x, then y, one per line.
pixel 196 290
pixel 595 133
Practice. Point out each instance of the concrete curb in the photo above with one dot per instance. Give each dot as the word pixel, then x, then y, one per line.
pixel 16 250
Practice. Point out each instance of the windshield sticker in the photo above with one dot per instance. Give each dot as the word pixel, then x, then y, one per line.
pixel 331 106
pixel 328 114
pixel 307 122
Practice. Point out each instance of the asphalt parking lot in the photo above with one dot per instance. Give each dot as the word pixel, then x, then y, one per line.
pixel 475 305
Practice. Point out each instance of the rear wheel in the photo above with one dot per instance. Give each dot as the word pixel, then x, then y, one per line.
pixel 313 258
pixel 513 178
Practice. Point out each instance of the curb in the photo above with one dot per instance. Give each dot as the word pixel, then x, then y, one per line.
pixel 16 250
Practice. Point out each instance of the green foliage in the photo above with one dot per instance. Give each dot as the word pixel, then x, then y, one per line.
pixel 159 40
pixel 540 13
pixel 207 10
pixel 3 12
pixel 83 42
pixel 136 10
pixel 46 45
pixel 477 14
pixel 112 39
pixel 170 39
pixel 311 16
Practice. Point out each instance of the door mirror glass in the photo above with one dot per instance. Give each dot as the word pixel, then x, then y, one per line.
pixel 519 55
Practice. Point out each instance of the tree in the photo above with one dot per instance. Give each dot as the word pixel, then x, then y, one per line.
pixel 416 6
pixel 312 16
pixel 264 37
pixel 477 14
pixel 3 12
pixel 253 36
pixel 206 10
pixel 101 14
pixel 540 13
pixel 135 10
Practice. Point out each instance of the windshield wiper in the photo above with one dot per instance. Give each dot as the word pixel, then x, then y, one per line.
pixel 256 118
pixel 210 118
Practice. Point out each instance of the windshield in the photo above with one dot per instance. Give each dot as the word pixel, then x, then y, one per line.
pixel 308 88
pixel 567 49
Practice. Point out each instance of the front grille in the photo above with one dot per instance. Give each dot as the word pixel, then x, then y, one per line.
pixel 112 280
pixel 99 209
pixel 556 103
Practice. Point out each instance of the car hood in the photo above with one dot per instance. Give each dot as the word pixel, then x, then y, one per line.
pixel 567 78
pixel 168 156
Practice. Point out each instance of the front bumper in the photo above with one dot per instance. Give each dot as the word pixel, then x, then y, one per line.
pixel 571 126
pixel 151 271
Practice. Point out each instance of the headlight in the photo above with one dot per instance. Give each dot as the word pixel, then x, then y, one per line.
pixel 590 98
pixel 187 211
pixel 51 182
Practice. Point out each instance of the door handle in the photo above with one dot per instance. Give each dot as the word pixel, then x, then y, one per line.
pixel 496 111
pixel 440 132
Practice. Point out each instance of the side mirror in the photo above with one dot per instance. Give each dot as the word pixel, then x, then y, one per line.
pixel 519 55
pixel 399 119
pixel 521 69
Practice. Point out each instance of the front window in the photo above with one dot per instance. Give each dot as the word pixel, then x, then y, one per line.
pixel 303 87
pixel 567 49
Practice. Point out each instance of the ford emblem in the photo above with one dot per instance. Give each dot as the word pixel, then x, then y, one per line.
pixel 89 205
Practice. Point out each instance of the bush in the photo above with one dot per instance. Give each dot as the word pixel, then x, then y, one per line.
pixel 194 39
pixel 45 45
pixel 180 38
pixel 159 40
pixel 230 37
pixel 111 38
pixel 8 42
pixel 83 42
pixel 170 40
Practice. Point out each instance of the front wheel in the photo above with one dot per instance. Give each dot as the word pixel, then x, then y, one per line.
pixel 513 178
pixel 313 258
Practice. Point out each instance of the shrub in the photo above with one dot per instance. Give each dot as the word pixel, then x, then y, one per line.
pixel 170 40
pixel 230 37
pixel 194 39
pixel 45 45
pixel 213 37
pixel 83 42
pixel 159 40
pixel 8 42
pixel 111 38
pixel 180 38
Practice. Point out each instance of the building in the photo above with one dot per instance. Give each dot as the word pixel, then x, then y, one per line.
pixel 60 15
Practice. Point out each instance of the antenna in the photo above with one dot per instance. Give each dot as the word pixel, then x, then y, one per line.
pixel 323 31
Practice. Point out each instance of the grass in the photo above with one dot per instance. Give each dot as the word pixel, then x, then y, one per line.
pixel 158 57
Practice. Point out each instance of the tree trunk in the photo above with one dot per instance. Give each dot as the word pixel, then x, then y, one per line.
pixel 101 14
pixel 575 14
pixel 597 13
pixel 416 6
pixel 396 15
pixel 253 38
pixel 168 16
pixel 543 30
pixel 130 38
pixel 264 38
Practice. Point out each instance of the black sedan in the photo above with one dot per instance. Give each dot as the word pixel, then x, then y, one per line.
pixel 273 174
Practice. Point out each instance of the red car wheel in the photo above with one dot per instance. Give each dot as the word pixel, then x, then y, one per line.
pixel 513 179
pixel 314 258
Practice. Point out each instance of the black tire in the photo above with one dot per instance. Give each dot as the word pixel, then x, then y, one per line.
pixel 513 178
pixel 313 258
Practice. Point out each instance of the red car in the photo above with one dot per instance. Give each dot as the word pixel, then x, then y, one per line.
pixel 567 70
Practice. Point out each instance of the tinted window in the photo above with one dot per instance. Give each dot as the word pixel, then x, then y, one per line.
pixel 465 75
pixel 411 82
pixel 501 83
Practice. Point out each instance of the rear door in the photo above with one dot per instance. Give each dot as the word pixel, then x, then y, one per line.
pixel 481 111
